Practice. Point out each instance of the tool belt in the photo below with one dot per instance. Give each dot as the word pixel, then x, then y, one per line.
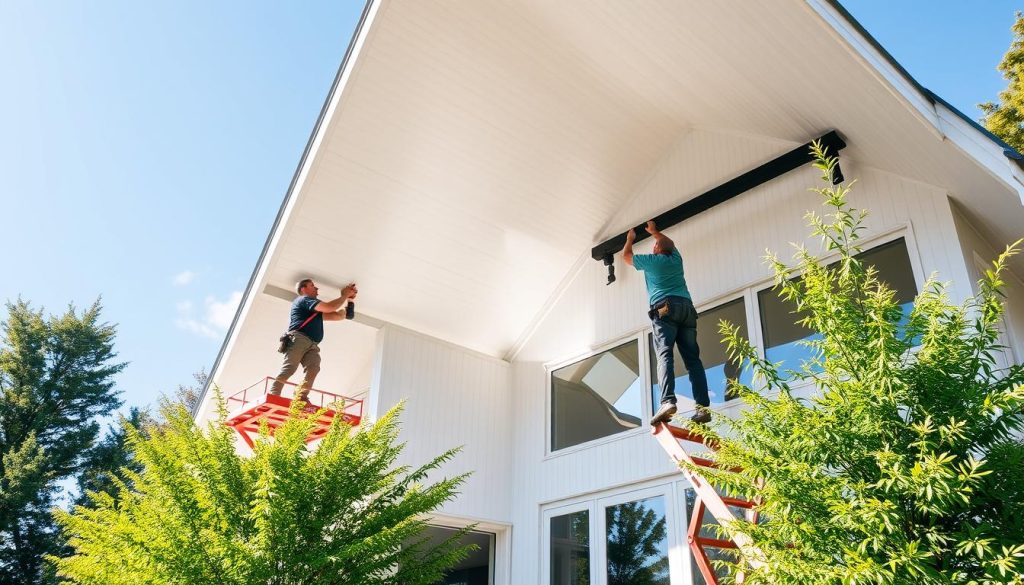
pixel 659 310
pixel 286 340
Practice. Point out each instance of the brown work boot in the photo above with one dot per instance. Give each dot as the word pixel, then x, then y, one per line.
pixel 702 416
pixel 664 413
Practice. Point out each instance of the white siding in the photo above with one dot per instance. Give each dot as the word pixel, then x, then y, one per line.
pixel 723 251
pixel 976 247
pixel 453 397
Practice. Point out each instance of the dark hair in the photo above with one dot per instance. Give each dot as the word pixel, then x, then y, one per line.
pixel 302 284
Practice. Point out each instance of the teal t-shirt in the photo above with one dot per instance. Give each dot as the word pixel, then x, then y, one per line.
pixel 663 273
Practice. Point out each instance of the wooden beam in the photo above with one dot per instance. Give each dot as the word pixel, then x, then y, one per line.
pixel 772 169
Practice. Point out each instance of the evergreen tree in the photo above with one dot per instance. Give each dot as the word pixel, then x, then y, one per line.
pixel 200 513
pixel 1006 118
pixel 56 379
pixel 904 464
pixel 105 465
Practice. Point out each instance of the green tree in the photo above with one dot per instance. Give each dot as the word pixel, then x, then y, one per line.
pixel 636 536
pixel 904 464
pixel 107 464
pixel 56 379
pixel 198 512
pixel 1006 118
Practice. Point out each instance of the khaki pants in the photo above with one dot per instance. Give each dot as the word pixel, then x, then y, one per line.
pixel 305 352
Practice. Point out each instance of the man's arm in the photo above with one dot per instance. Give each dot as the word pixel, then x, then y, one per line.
pixel 666 242
pixel 329 307
pixel 627 250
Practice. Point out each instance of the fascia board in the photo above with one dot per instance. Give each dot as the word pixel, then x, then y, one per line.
pixel 943 120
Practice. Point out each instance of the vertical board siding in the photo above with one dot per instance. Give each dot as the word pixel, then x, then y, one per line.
pixel 972 242
pixel 453 397
pixel 723 250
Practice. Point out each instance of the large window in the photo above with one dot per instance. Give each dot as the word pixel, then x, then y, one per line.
pixel 596 397
pixel 718 368
pixel 784 337
pixel 623 538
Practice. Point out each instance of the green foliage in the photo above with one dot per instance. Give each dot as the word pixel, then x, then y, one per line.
pixel 1006 119
pixel 635 535
pixel 200 513
pixel 56 379
pixel 903 463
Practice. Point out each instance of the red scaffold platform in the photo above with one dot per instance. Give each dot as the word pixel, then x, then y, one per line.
pixel 249 407
pixel 672 439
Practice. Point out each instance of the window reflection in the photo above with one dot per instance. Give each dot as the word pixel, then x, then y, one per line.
pixel 596 397
pixel 637 543
pixel 713 354
pixel 706 530
pixel 784 338
pixel 570 549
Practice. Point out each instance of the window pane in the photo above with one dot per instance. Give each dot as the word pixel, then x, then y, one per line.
pixel 570 549
pixel 782 335
pixel 596 397
pixel 713 354
pixel 476 568
pixel 712 553
pixel 637 539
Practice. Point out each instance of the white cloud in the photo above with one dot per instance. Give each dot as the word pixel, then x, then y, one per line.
pixel 216 319
pixel 183 278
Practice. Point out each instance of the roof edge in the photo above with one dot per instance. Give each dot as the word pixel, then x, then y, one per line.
pixel 1009 151
pixel 289 195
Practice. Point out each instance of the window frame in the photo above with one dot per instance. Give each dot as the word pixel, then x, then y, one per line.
pixel 638 337
pixel 676 520
pixel 713 303
pixel 867 243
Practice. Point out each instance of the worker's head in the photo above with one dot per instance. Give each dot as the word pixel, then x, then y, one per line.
pixel 306 287
pixel 663 245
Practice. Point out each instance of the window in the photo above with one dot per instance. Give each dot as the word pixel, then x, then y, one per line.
pixel 475 569
pixel 636 542
pixel 570 549
pixel 617 538
pixel 707 531
pixel 718 368
pixel 596 397
pixel 783 335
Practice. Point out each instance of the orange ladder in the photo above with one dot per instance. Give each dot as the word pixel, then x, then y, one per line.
pixel 672 439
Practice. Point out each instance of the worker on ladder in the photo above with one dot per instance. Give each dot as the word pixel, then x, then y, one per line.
pixel 674 320
pixel 300 345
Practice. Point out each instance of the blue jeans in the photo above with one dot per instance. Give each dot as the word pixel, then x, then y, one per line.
pixel 679 328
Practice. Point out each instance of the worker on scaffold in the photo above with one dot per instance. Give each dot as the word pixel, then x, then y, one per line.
pixel 674 320
pixel 300 345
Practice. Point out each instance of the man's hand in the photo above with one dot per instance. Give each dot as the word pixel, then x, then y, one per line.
pixel 651 228
pixel 349 292
pixel 627 250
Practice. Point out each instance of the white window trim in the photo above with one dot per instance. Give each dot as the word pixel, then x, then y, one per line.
pixel 501 553
pixel 676 519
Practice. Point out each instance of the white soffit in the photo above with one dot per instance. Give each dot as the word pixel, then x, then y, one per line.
pixel 477 150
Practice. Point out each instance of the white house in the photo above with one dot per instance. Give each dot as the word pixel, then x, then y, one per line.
pixel 470 155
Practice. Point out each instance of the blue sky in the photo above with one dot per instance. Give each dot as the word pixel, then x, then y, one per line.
pixel 145 147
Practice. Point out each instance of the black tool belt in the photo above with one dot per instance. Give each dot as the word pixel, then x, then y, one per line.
pixel 658 310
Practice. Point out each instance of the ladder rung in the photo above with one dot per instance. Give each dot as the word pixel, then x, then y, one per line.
pixel 687 435
pixel 738 502
pixel 715 542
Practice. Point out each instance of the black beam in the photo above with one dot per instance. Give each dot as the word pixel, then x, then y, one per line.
pixel 774 168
